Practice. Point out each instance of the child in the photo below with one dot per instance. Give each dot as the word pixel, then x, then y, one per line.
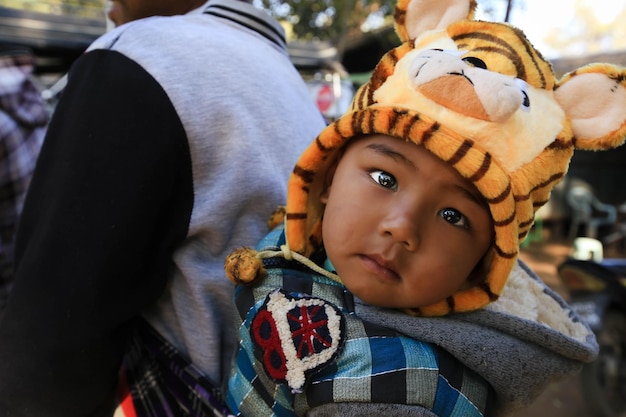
pixel 412 207
pixel 395 253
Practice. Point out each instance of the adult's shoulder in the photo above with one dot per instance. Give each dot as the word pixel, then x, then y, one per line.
pixel 153 30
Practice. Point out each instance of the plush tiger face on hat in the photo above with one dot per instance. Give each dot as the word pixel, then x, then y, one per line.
pixel 480 97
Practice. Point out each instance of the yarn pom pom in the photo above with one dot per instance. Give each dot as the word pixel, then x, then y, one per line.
pixel 243 267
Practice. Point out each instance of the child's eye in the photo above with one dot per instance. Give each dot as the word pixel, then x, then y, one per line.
pixel 454 217
pixel 385 179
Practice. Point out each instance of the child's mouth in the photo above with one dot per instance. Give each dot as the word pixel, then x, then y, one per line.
pixel 381 267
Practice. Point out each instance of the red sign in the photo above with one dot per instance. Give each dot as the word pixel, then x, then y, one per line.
pixel 325 97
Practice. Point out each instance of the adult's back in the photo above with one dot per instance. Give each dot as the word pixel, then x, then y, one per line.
pixel 170 146
pixel 259 113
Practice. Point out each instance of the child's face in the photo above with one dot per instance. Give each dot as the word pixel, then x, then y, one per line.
pixel 402 228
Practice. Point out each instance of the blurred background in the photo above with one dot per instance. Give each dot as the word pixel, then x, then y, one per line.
pixel 335 44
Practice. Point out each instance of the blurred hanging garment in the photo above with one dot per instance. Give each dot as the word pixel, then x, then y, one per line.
pixel 23 120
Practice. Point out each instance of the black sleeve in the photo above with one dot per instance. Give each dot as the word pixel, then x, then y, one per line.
pixel 110 199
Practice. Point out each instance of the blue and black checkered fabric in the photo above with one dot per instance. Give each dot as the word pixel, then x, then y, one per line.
pixel 375 365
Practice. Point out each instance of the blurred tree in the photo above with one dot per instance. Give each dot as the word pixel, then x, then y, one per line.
pixel 330 20
pixel 338 21
pixel 590 31
pixel 499 10
pixel 335 21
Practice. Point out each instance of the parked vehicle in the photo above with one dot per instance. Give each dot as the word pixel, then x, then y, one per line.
pixel 327 79
pixel 597 289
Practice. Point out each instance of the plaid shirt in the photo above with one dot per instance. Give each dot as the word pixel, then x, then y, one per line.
pixel 374 364
pixel 23 117
pixel 156 380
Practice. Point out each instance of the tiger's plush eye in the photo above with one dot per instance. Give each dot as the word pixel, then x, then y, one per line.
pixel 523 86
pixel 475 62
pixel 384 179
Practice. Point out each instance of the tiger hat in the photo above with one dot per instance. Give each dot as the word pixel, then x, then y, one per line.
pixel 480 97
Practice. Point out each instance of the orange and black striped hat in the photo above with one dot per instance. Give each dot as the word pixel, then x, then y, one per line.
pixel 480 97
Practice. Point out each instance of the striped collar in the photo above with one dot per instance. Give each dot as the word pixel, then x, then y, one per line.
pixel 246 14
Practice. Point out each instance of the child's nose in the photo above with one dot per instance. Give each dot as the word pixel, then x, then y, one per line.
pixel 402 225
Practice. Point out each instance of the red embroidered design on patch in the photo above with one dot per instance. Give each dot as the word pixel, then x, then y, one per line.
pixel 266 336
pixel 295 336
pixel 309 329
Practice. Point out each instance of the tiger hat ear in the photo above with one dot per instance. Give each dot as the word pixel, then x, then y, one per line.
pixel 594 99
pixel 414 17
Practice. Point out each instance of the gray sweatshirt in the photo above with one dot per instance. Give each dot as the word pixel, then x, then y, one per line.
pixel 171 143
pixel 520 343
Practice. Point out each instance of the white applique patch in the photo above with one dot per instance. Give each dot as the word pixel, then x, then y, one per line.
pixel 296 336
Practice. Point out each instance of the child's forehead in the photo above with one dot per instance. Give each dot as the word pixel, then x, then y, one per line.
pixel 396 149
